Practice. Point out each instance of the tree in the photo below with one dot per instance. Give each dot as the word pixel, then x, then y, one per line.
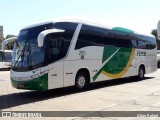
pixel 1 39
pixel 154 32
pixel 9 36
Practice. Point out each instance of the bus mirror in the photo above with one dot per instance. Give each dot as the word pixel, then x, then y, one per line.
pixel 158 30
pixel 6 41
pixel 42 35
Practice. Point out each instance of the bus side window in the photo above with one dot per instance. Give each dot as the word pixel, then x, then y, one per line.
pixel 56 46
pixel 141 44
pixel 134 43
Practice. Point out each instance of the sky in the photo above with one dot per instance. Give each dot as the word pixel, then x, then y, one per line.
pixel 138 15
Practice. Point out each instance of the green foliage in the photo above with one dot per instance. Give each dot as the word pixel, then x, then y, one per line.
pixel 1 39
pixel 9 36
pixel 154 32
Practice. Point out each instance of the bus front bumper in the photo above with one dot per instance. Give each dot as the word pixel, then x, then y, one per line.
pixel 40 83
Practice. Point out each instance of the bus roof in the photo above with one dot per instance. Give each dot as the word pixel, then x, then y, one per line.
pixel 88 22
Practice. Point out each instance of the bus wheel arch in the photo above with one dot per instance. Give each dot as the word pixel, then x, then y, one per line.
pixel 82 79
pixel 141 72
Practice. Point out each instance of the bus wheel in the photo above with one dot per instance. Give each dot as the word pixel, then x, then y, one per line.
pixel 141 73
pixel 81 82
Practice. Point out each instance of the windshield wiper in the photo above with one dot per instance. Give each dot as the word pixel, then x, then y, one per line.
pixel 29 59
pixel 18 59
pixel 21 55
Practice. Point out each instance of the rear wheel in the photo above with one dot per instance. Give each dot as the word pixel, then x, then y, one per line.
pixel 82 81
pixel 141 73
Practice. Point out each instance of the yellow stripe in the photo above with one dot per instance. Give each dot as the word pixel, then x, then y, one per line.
pixel 125 69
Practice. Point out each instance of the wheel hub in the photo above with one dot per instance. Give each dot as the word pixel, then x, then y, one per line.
pixel 81 81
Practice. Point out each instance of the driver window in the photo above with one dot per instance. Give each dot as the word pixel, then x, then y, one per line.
pixel 55 47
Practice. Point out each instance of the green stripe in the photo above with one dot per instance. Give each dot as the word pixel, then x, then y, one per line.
pixel 107 52
pixel 40 83
pixel 117 63
pixel 123 29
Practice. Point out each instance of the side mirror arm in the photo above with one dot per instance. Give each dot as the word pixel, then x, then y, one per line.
pixel 6 41
pixel 41 36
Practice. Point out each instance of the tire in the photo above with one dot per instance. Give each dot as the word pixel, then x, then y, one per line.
pixel 81 81
pixel 141 73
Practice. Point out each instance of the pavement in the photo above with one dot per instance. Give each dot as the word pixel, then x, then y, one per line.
pixel 127 94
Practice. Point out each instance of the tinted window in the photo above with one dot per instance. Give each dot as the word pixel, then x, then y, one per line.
pixel 58 43
pixel 146 45
pixel 68 34
pixel 123 43
pixel 95 36
pixel 145 42
pixel 141 44
pixel 92 36
pixel 122 39
pixel 7 56
pixel 34 32
pixel 134 43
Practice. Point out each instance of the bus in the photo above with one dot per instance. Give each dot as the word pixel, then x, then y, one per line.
pixel 5 59
pixel 62 53
pixel 6 55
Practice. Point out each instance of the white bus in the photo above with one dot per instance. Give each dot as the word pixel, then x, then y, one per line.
pixel 5 59
pixel 6 55
pixel 63 53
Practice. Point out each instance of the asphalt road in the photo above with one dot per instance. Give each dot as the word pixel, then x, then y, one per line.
pixel 126 94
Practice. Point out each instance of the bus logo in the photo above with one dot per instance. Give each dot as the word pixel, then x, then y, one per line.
pixel 82 54
pixel 140 53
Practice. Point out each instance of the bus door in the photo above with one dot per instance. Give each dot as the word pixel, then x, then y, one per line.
pixel 55 54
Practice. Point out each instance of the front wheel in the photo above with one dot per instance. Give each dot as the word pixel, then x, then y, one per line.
pixel 82 81
pixel 141 73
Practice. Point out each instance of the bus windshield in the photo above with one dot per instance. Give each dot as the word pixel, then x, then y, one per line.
pixel 7 56
pixel 27 55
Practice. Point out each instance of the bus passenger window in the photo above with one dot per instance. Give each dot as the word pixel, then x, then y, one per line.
pixel 134 43
pixel 141 44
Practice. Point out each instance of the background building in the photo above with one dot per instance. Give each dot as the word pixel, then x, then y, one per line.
pixel 1 30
